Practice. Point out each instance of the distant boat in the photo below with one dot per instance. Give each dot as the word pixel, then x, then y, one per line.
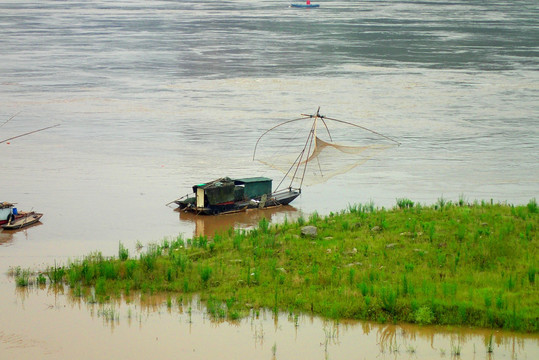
pixel 21 220
pixel 304 6
pixel 11 218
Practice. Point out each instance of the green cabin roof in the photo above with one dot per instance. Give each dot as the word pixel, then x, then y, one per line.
pixel 253 179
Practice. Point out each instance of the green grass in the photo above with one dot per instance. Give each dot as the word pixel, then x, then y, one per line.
pixel 450 263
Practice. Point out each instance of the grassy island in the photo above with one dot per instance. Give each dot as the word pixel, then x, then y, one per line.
pixel 449 263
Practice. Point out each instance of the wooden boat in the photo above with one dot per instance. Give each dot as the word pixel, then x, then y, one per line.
pixel 305 6
pixel 21 220
pixel 226 195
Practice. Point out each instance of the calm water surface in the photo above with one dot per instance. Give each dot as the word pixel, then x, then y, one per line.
pixel 155 96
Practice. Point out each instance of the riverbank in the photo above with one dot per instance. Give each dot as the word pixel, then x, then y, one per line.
pixel 449 263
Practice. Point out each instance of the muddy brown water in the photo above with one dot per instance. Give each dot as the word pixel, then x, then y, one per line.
pixel 47 324
pixel 153 97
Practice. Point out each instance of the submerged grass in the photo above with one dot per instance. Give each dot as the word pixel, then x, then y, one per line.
pixel 457 264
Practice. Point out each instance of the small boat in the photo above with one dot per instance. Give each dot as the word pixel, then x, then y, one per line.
pixel 226 196
pixel 305 6
pixel 21 220
pixel 11 218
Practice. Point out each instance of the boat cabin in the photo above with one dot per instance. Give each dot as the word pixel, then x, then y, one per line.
pixel 226 195
pixel 254 187
pixel 6 210
pixel 227 191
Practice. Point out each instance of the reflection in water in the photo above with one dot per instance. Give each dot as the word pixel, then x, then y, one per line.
pixel 406 338
pixel 6 236
pixel 265 334
pixel 211 225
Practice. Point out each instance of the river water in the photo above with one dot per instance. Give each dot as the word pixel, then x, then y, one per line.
pixel 155 96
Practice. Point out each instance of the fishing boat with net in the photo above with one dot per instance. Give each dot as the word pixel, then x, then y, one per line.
pixel 304 160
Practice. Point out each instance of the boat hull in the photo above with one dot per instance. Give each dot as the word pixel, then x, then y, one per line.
pixel 275 199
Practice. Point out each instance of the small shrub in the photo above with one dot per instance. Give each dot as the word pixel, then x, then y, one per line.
pixel 313 219
pixel 41 280
pixel 149 261
pixel 499 301
pixel 263 225
pixel 389 299
pixel 405 203
pixel 532 206
pixel 351 276
pixel 430 229
pixel 487 297
pixel 205 274
pixel 100 286
pixel 237 241
pixel 363 288
pixel 531 274
pixel 510 283
pixel 22 280
pixel 441 203
pixel 234 315
pixel 123 253
pixel 404 285
pixel 56 274
pixel 424 315
pixel 369 207
pixel 461 232
pixel 200 242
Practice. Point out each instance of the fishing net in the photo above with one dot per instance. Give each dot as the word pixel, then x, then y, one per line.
pixel 298 150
